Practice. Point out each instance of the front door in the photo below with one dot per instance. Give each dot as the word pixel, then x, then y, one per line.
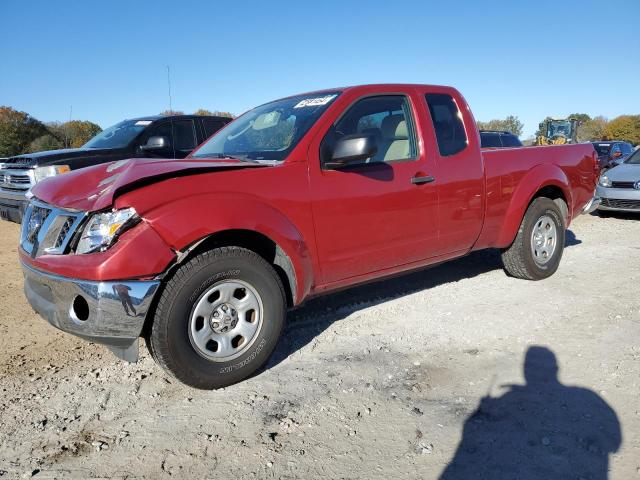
pixel 381 213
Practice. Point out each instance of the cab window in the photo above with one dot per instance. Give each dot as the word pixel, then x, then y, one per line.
pixel 386 119
pixel 447 121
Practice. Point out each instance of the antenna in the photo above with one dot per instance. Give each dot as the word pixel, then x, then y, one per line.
pixel 173 143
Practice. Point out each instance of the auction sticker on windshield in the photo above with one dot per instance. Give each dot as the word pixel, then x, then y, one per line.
pixel 314 102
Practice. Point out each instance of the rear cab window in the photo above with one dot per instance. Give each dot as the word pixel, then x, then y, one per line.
pixel 509 140
pixel 448 124
pixel 212 125
pixel 490 140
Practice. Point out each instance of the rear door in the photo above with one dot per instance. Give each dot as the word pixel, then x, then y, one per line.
pixel 374 216
pixel 184 137
pixel 459 175
pixel 212 125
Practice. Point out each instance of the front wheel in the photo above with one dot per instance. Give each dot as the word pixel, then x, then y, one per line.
pixel 218 318
pixel 536 252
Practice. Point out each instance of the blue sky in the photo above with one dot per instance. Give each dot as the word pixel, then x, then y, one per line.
pixel 108 59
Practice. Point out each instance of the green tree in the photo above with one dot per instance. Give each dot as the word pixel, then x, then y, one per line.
pixel 624 127
pixel 581 117
pixel 592 130
pixel 45 142
pixel 216 113
pixel 167 113
pixel 75 133
pixel 511 124
pixel 17 131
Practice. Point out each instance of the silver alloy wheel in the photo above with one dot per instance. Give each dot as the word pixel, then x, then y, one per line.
pixel 226 320
pixel 544 239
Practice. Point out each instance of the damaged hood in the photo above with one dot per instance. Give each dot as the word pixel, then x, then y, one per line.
pixel 94 188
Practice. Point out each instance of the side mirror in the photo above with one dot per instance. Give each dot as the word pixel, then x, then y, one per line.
pixel 351 150
pixel 155 143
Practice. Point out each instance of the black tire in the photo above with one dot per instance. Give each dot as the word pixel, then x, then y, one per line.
pixel 519 260
pixel 169 341
pixel 604 213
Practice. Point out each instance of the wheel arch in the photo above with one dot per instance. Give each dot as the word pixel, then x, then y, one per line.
pixel 252 240
pixel 542 181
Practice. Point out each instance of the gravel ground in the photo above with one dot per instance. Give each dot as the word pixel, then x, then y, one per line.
pixel 406 378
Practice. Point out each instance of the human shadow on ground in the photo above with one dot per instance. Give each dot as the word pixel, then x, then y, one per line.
pixel 316 315
pixel 540 430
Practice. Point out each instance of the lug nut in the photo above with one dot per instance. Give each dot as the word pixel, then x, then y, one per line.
pixel 216 314
pixel 216 324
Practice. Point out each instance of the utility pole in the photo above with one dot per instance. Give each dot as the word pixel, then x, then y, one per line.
pixel 66 128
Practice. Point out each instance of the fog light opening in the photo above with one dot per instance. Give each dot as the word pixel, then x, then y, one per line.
pixel 80 308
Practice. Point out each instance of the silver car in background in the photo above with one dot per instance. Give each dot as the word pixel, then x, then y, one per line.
pixel 619 187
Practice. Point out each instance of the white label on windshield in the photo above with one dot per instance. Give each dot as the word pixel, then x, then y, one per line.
pixel 144 122
pixel 314 102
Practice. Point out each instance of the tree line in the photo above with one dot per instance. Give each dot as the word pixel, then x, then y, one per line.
pixel 21 133
pixel 623 127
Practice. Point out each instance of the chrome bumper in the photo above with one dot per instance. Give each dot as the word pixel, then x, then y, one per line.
pixel 109 313
pixel 592 205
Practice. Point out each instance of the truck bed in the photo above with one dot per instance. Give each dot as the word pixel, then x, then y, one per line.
pixel 507 169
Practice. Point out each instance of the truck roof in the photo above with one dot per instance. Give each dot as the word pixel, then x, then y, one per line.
pixel 381 86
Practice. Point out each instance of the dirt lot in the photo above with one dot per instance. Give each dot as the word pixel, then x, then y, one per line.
pixel 380 381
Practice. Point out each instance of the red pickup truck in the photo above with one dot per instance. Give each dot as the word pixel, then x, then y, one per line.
pixel 298 197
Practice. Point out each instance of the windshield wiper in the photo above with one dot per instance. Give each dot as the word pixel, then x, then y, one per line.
pixel 223 156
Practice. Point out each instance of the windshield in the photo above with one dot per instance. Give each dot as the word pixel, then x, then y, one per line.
pixel 118 136
pixel 268 132
pixel 634 158
pixel 559 128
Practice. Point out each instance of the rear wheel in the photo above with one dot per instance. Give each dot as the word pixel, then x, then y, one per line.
pixel 536 252
pixel 218 318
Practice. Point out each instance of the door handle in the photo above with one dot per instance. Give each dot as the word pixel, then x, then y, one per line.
pixel 422 179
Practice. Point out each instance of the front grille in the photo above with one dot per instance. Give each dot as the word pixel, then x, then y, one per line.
pixel 622 204
pixel 47 229
pixel 16 179
pixel 64 231
pixel 623 184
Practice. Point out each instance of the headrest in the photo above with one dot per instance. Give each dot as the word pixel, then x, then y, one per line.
pixel 394 127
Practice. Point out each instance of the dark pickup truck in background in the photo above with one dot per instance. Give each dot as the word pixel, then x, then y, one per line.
pixel 498 139
pixel 155 136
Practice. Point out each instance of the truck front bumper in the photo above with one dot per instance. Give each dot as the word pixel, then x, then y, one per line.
pixel 12 205
pixel 109 313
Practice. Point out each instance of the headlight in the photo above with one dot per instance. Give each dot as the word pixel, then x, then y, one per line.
pixel 604 181
pixel 45 172
pixel 103 229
